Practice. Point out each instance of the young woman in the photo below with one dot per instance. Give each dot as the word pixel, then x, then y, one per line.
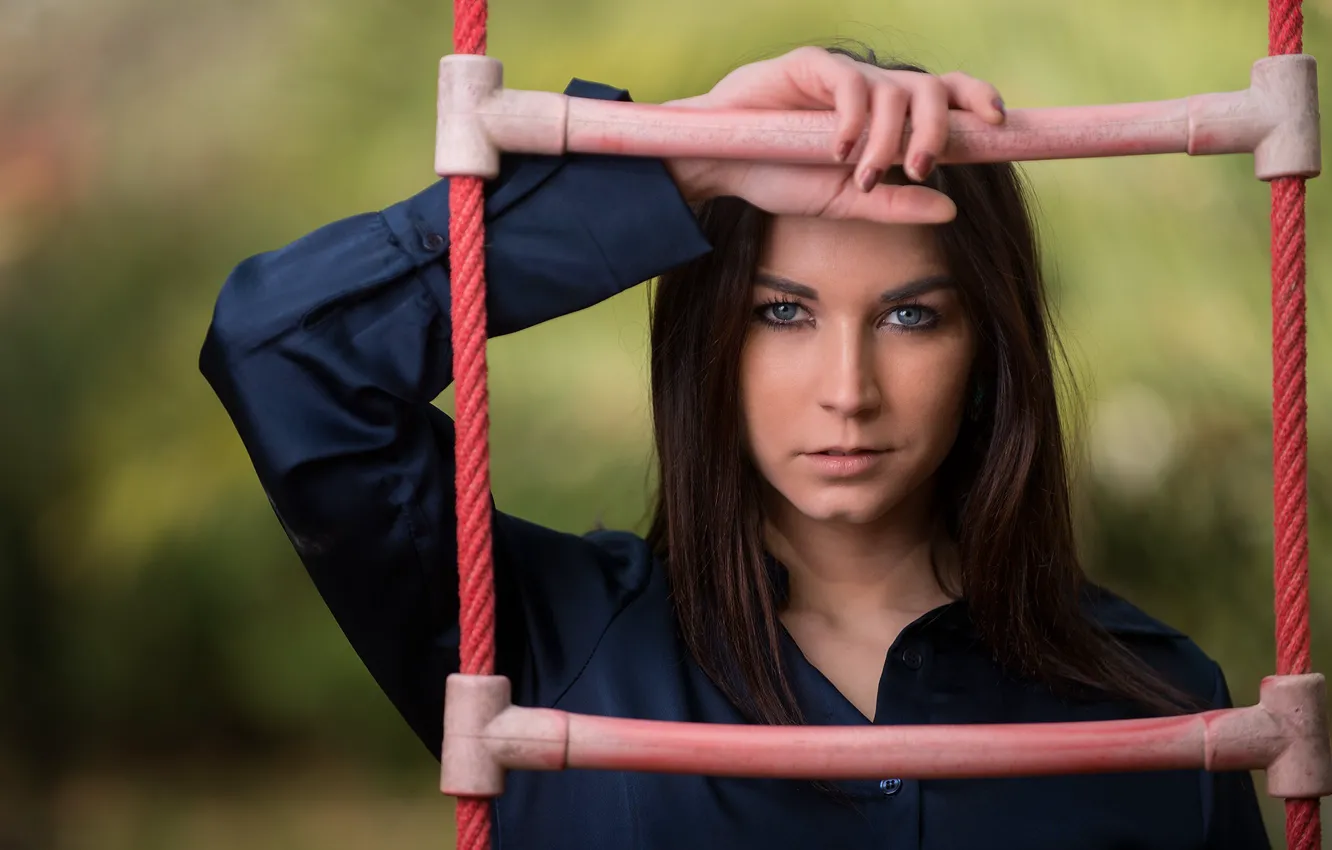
pixel 863 509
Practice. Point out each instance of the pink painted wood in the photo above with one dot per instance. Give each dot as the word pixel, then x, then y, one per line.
pixel 1276 118
pixel 921 752
pixel 1285 733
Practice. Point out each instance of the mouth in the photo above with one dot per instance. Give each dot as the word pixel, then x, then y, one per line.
pixel 844 462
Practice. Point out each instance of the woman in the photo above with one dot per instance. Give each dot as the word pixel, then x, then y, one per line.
pixel 863 510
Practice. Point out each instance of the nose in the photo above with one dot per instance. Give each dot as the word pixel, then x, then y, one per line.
pixel 849 383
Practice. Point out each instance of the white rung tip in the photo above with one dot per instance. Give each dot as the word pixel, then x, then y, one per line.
pixel 463 147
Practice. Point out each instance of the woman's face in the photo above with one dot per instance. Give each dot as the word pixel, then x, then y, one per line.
pixel 854 373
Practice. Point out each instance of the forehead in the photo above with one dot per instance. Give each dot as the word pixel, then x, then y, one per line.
pixel 823 252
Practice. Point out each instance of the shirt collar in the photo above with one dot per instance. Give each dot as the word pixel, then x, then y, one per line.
pixel 1110 611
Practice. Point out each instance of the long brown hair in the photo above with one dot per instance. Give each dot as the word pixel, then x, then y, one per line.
pixel 1003 489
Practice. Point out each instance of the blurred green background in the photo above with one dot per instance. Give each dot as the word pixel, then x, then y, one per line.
pixel 168 675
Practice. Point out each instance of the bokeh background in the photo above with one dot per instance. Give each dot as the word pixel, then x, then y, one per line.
pixel 168 675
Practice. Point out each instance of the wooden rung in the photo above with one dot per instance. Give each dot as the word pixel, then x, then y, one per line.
pixel 1285 734
pixel 1276 119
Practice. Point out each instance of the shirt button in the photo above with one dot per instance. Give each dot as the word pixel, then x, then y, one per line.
pixel 433 242
pixel 889 787
pixel 911 659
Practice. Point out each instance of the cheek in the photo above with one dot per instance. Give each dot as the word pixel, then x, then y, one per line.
pixel 927 388
pixel 770 392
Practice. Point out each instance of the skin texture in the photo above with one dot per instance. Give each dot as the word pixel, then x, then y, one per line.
pixel 846 368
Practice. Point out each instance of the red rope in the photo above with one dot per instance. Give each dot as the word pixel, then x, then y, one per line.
pixel 1290 438
pixel 476 586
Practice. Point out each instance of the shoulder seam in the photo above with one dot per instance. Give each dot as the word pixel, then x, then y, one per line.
pixel 629 600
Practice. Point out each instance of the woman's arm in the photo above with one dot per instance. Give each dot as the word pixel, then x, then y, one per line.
pixel 327 353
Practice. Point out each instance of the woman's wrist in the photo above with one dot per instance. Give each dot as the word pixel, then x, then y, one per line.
pixel 696 178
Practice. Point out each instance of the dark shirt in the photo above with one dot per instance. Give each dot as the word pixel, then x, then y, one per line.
pixel 327 354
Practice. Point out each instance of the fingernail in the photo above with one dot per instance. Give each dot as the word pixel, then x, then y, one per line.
pixel 869 178
pixel 999 105
pixel 920 167
pixel 844 150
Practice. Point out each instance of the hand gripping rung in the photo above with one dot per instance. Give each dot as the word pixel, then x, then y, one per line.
pixel 1276 119
pixel 1285 734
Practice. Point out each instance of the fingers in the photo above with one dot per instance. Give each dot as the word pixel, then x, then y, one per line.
pixel 890 203
pixel 875 103
pixel 850 98
pixel 842 82
pixel 927 99
pixel 861 94
pixel 929 126
pixel 888 108
pixel 973 95
pixel 931 98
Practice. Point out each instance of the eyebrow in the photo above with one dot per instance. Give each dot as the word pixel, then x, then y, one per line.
pixel 910 289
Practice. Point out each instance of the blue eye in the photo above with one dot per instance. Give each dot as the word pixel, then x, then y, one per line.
pixel 912 317
pixel 908 315
pixel 780 314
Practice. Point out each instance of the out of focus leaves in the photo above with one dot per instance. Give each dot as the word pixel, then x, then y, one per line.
pixel 151 609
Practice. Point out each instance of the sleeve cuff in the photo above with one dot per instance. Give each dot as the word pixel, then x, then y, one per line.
pixel 650 231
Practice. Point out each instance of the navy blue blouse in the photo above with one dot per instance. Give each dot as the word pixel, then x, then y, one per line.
pixel 327 354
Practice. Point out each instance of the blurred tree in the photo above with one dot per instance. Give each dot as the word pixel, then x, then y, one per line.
pixel 152 612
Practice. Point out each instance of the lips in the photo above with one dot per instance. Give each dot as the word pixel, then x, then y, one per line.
pixel 845 462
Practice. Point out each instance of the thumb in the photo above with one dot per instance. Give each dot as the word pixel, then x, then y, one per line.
pixel 891 203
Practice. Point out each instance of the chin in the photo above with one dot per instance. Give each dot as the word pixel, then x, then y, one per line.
pixel 844 506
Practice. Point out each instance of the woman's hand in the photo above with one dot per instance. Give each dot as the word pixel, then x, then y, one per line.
pixel 860 93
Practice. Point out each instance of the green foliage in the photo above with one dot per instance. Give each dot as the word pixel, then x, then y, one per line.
pixel 152 609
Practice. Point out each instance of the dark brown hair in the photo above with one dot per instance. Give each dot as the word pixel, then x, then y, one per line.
pixel 1003 490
